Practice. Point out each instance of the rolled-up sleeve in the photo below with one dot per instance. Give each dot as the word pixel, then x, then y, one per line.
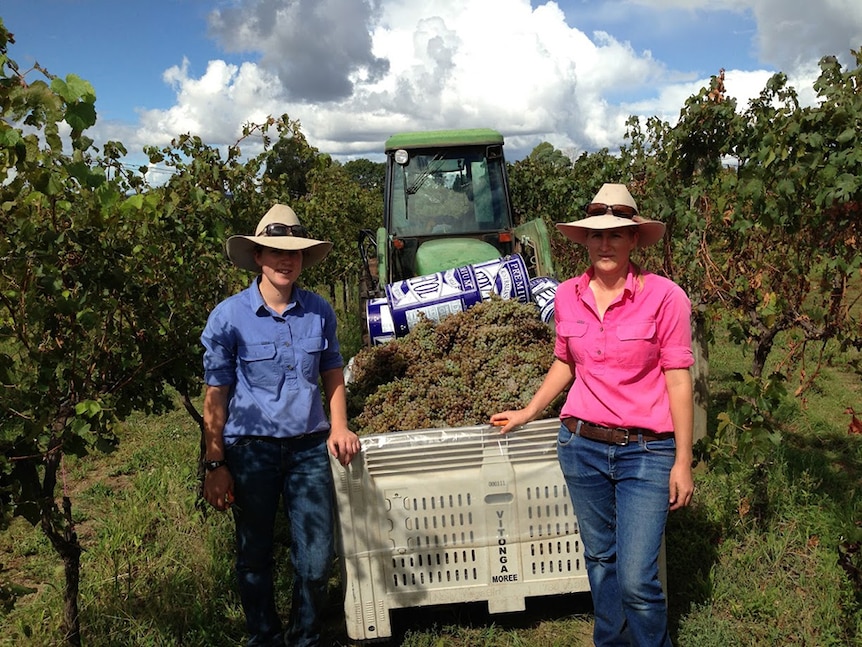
pixel 674 330
pixel 331 356
pixel 220 346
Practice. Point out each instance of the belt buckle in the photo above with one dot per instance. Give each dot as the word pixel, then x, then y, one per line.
pixel 625 440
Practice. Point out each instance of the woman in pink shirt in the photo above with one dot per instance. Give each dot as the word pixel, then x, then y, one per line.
pixel 625 443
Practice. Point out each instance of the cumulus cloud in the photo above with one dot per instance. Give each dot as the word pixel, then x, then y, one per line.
pixel 215 106
pixel 313 46
pixel 355 71
pixel 792 33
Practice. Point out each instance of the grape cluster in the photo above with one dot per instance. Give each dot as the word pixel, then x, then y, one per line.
pixel 455 372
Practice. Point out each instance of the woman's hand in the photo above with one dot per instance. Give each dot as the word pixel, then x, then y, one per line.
pixel 343 444
pixel 218 488
pixel 508 420
pixel 681 485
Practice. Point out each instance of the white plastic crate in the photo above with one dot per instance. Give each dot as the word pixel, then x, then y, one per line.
pixel 454 515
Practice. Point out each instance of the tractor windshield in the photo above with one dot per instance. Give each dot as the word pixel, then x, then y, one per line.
pixel 450 192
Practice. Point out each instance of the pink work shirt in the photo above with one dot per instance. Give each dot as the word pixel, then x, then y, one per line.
pixel 619 361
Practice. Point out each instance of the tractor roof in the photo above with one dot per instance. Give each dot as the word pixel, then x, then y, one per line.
pixel 436 138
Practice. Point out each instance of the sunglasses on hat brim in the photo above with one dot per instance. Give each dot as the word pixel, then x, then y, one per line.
pixel 279 229
pixel 619 210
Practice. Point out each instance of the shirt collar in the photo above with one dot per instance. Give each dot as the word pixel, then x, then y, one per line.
pixel 629 290
pixel 259 306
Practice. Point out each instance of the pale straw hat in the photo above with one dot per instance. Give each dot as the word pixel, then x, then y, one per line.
pixel 278 229
pixel 612 207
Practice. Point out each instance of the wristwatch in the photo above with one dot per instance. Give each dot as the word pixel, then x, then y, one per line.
pixel 214 465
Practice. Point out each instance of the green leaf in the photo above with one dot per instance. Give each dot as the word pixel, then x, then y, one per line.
pixel 848 135
pixel 80 116
pixel 79 426
pixel 73 89
pixel 54 186
pixel 132 203
pixel 9 137
pixel 88 408
pixel 82 172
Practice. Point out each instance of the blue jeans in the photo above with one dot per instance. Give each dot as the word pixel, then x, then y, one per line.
pixel 298 471
pixel 620 496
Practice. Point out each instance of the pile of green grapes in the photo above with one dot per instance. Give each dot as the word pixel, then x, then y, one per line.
pixel 455 372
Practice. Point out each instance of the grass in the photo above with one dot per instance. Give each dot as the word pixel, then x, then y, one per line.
pixel 152 559
pixel 758 553
pixel 755 560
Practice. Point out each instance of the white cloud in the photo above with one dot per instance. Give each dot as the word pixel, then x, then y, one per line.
pixel 790 33
pixel 214 106
pixel 355 72
pixel 311 45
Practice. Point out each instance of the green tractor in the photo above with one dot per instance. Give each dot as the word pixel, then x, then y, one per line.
pixel 446 205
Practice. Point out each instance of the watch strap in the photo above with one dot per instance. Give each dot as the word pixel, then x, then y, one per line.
pixel 214 465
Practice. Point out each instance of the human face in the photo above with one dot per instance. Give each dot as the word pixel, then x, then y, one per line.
pixel 280 267
pixel 610 249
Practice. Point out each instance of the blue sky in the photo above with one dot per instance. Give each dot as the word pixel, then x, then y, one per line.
pixel 354 71
pixel 122 47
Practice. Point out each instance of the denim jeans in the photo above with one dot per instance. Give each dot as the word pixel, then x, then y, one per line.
pixel 620 496
pixel 297 471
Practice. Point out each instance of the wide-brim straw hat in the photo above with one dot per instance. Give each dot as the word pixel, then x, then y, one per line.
pixel 614 195
pixel 240 249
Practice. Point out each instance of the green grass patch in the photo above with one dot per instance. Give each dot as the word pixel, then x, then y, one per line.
pixel 156 569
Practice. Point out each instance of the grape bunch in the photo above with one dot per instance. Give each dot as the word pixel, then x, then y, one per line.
pixel 455 372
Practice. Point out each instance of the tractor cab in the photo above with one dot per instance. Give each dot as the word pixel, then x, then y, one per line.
pixel 446 203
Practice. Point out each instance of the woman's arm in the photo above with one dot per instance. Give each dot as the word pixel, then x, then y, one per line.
pixel 680 394
pixel 218 484
pixel 343 444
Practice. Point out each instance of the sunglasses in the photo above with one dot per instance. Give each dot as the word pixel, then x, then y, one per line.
pixel 619 210
pixel 278 229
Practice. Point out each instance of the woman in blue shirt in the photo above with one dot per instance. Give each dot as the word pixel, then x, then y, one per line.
pixel 267 349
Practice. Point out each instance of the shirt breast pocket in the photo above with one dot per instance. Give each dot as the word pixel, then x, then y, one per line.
pixel 574 333
pixel 258 364
pixel 311 350
pixel 638 344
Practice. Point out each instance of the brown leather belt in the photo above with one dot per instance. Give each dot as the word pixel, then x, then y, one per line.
pixel 612 435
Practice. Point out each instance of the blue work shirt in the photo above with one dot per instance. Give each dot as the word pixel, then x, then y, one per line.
pixel 272 362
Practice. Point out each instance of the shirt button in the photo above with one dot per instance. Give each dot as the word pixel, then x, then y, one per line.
pixel 599 352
